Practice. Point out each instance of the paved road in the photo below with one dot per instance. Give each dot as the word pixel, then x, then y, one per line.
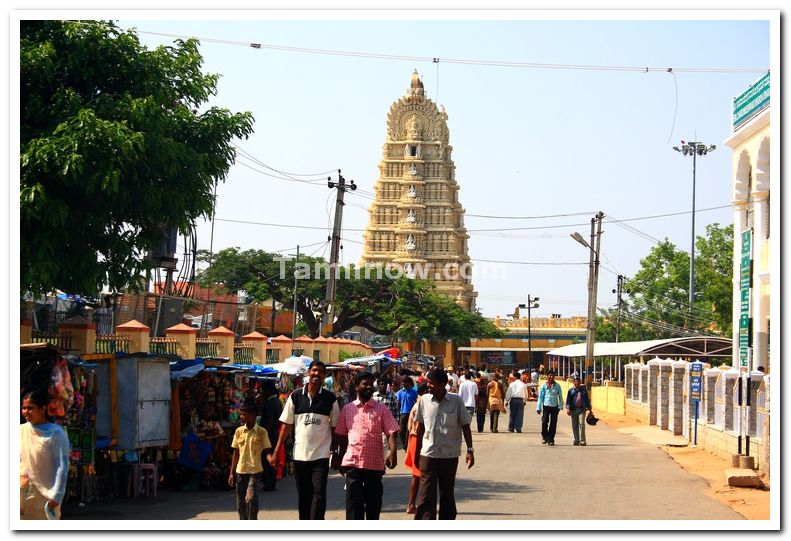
pixel 515 477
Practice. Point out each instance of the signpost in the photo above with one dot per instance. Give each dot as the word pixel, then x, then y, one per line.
pixel 695 377
pixel 745 334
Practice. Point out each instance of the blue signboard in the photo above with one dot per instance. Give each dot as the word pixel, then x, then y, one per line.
pixel 695 377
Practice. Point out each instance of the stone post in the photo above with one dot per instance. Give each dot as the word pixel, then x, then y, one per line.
pixel 653 391
pixel 710 378
pixel 644 383
pixel 635 381
pixel 225 337
pixel 258 341
pixel 729 380
pixel 138 335
pixel 83 334
pixel 627 381
pixel 663 392
pixel 767 424
pixel 676 406
pixel 185 336
pixel 756 378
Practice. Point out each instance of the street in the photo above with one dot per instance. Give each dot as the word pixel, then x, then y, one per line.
pixel 617 476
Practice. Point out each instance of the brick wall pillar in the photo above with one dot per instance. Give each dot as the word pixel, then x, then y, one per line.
pixel 185 336
pixel 83 334
pixel 653 391
pixel 225 337
pixel 729 380
pixel 676 405
pixel 663 391
pixel 258 341
pixel 644 384
pixel 138 335
pixel 710 378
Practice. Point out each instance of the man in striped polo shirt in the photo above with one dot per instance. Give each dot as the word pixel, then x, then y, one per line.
pixel 312 412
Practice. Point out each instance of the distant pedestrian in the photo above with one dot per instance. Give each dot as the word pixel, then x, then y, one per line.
pixel 410 460
pixel 358 454
pixel 312 412
pixel 442 419
pixel 250 442
pixel 468 391
pixel 406 400
pixel 550 400
pixel 577 403
pixel 481 402
pixel 515 399
pixel 496 406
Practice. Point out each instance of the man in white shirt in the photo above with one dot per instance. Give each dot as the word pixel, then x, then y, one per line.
pixel 468 391
pixel 515 402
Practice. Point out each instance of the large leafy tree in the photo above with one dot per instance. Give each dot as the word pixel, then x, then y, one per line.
pixel 656 302
pixel 113 146
pixel 404 307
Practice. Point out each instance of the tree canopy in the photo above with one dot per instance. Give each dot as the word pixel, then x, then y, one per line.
pixel 112 148
pixel 403 307
pixel 656 299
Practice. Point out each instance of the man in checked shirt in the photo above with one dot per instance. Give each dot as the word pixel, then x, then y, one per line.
pixel 359 452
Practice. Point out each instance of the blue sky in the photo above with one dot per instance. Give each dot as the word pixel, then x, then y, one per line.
pixel 527 142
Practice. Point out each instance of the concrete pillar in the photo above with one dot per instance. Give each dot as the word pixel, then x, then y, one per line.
pixel 83 334
pixel 25 330
pixel 766 454
pixel 322 345
pixel 449 353
pixel 739 221
pixel 185 336
pixel 138 335
pixel 710 378
pixel 760 301
pixel 756 378
pixel 225 337
pixel 644 383
pixel 663 392
pixel 258 341
pixel 729 380
pixel 653 391
pixel 282 343
pixel 676 402
pixel 305 343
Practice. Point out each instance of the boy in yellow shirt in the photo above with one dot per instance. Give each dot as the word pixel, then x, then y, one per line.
pixel 249 441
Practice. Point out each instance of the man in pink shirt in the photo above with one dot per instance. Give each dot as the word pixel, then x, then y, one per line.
pixel 359 435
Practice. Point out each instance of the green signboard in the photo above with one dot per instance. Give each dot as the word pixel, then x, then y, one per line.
pixel 752 101
pixel 745 280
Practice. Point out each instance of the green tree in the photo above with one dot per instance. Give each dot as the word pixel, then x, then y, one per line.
pixel 657 303
pixel 112 148
pixel 410 309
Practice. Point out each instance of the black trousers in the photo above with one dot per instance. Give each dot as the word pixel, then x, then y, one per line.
pixel 247 511
pixel 403 433
pixel 437 474
pixel 269 475
pixel 363 494
pixel 549 423
pixel 481 418
pixel 311 478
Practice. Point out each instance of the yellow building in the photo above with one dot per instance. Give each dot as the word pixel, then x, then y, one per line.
pixel 750 142
pixel 416 222
pixel 523 345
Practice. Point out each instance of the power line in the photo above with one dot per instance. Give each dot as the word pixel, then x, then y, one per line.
pixel 462 61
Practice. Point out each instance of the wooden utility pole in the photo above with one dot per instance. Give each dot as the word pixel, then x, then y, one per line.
pixel 328 317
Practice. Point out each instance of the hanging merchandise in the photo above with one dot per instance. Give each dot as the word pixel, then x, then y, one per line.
pixel 60 389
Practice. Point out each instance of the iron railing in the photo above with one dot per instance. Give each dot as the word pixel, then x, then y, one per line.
pixel 206 347
pixel 112 343
pixel 159 345
pixel 243 354
pixel 61 340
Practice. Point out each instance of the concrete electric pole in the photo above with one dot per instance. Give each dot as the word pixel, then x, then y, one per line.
pixel 328 316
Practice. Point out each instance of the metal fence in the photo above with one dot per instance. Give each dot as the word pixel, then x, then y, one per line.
pixel 243 354
pixel 159 345
pixel 112 343
pixel 206 347
pixel 61 340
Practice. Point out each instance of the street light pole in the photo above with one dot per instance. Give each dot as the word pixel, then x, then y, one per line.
pixel 694 148
pixel 593 275
pixel 532 302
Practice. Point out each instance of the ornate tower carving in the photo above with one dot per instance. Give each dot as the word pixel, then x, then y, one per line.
pixel 416 221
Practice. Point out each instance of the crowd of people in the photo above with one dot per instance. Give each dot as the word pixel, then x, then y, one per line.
pixel 427 414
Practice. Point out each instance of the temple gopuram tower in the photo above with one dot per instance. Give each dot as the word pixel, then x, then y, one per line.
pixel 416 221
